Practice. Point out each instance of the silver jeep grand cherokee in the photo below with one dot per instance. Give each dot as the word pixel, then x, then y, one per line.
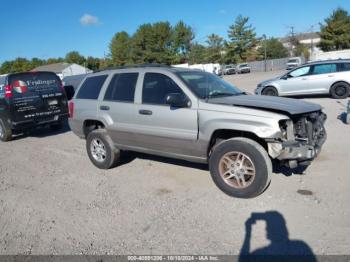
pixel 195 116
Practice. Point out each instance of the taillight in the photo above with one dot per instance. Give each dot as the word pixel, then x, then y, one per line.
pixel 8 91
pixel 71 109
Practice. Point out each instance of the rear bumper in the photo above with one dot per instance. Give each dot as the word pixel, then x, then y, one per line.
pixel 38 122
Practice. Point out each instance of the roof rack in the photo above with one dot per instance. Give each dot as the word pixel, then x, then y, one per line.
pixel 132 66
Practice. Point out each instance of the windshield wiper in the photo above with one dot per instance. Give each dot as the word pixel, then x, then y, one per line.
pixel 224 94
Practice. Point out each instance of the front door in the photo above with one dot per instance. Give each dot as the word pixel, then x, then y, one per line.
pixel 296 83
pixel 160 126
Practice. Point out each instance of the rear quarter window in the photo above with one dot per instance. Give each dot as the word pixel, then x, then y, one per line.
pixel 91 87
pixel 344 67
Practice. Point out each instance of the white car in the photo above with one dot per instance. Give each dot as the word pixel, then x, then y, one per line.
pixel 293 62
pixel 326 77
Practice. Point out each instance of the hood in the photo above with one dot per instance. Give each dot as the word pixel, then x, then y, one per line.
pixel 269 103
pixel 263 83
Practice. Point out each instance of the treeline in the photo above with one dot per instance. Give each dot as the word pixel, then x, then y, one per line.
pixel 22 64
pixel 164 43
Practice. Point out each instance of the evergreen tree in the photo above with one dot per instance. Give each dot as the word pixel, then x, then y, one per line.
pixel 335 33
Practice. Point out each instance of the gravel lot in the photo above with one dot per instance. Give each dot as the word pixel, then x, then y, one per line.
pixel 54 201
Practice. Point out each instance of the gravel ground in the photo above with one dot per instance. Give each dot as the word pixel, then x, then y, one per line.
pixel 54 201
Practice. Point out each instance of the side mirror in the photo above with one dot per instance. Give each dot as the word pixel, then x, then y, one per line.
pixel 285 77
pixel 177 100
pixel 69 92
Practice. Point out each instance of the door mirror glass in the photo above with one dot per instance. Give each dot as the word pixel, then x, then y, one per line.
pixel 177 100
pixel 69 92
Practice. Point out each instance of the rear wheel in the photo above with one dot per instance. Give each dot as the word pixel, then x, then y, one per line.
pixel 101 149
pixel 270 91
pixel 240 167
pixel 5 132
pixel 340 90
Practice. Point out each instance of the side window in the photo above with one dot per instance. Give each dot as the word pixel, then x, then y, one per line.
pixel 122 87
pixel 344 67
pixel 324 69
pixel 156 87
pixel 300 71
pixel 91 87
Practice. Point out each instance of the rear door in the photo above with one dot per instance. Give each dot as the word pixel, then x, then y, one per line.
pixel 118 109
pixel 36 96
pixel 321 78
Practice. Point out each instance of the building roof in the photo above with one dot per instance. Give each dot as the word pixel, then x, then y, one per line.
pixel 300 37
pixel 56 68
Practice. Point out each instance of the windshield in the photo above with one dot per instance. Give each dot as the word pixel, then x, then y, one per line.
pixel 292 61
pixel 243 65
pixel 206 85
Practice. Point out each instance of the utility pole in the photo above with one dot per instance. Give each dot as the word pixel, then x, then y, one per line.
pixel 265 65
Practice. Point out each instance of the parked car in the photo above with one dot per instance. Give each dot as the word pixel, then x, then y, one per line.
pixel 195 116
pixel 326 77
pixel 229 70
pixel 243 68
pixel 293 62
pixel 29 100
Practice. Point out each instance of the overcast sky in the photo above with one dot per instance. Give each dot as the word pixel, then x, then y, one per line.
pixel 47 28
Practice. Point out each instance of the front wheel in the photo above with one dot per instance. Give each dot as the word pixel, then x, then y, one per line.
pixel 270 91
pixel 240 167
pixel 101 149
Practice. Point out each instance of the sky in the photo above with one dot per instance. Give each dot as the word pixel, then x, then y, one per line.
pixel 51 28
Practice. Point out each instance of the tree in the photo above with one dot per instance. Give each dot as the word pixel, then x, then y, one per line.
pixel 75 57
pixel 335 33
pixel 92 63
pixel 197 54
pixel 35 62
pixel 242 39
pixel 215 46
pixel 302 50
pixel 274 49
pixel 54 60
pixel 142 45
pixel 183 36
pixel 120 48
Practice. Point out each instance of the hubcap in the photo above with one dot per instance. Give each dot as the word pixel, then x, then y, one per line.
pixel 98 150
pixel 340 91
pixel 237 170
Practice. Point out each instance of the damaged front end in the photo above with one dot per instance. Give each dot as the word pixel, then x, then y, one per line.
pixel 302 137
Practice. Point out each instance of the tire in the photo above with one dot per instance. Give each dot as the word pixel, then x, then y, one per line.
pixel 340 90
pixel 110 156
pixel 269 91
pixel 5 132
pixel 255 157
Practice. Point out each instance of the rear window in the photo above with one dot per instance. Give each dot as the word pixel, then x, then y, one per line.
pixel 324 69
pixel 34 82
pixel 91 87
pixel 122 87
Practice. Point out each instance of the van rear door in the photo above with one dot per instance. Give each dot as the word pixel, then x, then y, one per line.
pixel 37 96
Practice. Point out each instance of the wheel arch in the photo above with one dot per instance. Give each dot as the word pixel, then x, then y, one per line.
pixel 223 134
pixel 92 124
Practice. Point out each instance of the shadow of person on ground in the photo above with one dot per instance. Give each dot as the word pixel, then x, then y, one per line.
pixel 280 247
pixel 287 171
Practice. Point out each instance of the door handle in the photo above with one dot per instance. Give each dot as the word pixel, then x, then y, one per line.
pixel 330 75
pixel 145 112
pixel 106 108
pixel 304 78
